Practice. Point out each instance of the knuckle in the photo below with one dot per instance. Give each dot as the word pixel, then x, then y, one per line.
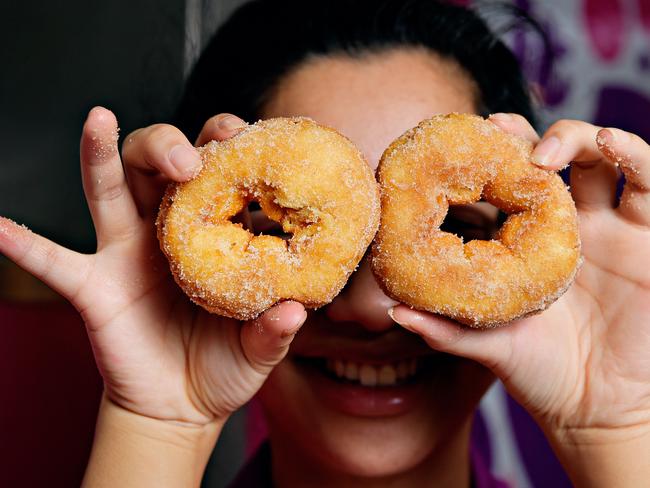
pixel 518 118
pixel 29 249
pixel 162 132
pixel 132 137
pixel 569 126
pixel 215 129
pixel 526 126
pixel 523 121
pixel 211 125
pixel 49 256
pixel 564 125
pixel 110 192
pixel 156 144
pixel 216 118
pixel 132 143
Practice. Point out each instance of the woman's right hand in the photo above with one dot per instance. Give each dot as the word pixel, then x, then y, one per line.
pixel 160 355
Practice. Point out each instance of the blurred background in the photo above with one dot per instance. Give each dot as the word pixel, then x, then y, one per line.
pixel 59 59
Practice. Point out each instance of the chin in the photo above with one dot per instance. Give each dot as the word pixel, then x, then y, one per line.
pixel 332 424
pixel 374 448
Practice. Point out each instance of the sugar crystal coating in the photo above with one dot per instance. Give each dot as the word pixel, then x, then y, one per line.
pixel 310 179
pixel 459 159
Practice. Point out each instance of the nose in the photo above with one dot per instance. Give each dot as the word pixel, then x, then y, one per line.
pixel 362 301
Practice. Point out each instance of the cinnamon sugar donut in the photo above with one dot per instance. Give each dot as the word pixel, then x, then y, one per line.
pixel 310 179
pixel 459 159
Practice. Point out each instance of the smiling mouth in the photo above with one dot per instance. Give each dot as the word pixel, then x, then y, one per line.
pixel 386 374
pixel 370 387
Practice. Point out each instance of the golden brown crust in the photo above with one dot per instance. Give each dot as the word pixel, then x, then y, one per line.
pixel 459 159
pixel 310 179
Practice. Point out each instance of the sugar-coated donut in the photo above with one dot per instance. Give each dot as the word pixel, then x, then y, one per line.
pixel 459 159
pixel 307 177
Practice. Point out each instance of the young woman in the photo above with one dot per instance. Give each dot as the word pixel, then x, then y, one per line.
pixel 174 373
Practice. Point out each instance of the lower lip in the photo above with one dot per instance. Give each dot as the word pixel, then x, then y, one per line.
pixel 366 401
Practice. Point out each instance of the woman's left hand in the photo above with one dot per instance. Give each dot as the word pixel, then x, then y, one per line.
pixel 582 367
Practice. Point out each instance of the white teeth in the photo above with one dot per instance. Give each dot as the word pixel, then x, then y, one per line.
pixel 352 371
pixel 339 367
pixel 387 375
pixel 368 375
pixel 402 370
pixel 373 375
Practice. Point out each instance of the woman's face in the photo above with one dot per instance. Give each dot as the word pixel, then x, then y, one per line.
pixel 358 394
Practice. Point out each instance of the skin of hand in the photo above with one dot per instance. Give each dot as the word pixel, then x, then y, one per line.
pixel 160 356
pixel 581 367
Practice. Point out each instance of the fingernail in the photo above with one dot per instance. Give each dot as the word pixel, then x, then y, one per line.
pixel 391 314
pixel 289 332
pixel 612 137
pixel 501 117
pixel 605 138
pixel 292 331
pixel 186 160
pixel 396 317
pixel 547 151
pixel 231 123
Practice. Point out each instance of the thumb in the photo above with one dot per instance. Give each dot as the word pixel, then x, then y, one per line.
pixel 492 347
pixel 265 340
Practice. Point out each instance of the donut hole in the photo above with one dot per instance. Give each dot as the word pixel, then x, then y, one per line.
pixel 474 221
pixel 256 221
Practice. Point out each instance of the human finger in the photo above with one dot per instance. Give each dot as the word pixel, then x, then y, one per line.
pixel 159 153
pixel 109 199
pixel 491 347
pixel 147 190
pixel 161 148
pixel 265 340
pixel 632 155
pixel 593 177
pixel 566 141
pixel 61 269
pixel 515 124
pixel 219 128
pixel 152 157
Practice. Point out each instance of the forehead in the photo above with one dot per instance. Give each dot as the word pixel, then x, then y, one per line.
pixel 374 98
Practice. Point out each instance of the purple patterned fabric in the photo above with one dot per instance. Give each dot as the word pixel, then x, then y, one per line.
pixel 541 464
pixel 597 65
pixel 481 475
pixel 624 108
pixel 595 68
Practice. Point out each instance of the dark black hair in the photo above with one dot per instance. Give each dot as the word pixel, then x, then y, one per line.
pixel 265 39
